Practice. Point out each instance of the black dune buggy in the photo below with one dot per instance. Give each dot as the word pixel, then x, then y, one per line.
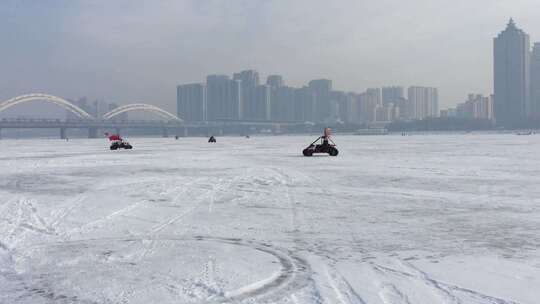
pixel 121 145
pixel 325 145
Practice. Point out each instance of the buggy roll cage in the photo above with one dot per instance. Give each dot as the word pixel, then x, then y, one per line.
pixel 321 138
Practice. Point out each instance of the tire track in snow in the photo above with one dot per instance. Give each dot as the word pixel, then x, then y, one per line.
pixel 66 211
pixel 38 218
pixel 173 219
pixel 390 294
pixel 209 195
pixel 4 245
pixel 25 218
pixel 224 186
pixel 294 273
pixel 160 226
pixel 185 189
pixel 343 290
pixel 106 218
pixel 121 212
pixel 331 286
pixel 286 182
pixel 446 288
pixel 446 295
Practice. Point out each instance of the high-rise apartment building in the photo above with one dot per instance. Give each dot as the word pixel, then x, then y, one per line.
pixel 405 109
pixel 322 89
pixel 340 100
pixel 369 101
pixel 191 102
pixel 424 102
pixel 283 103
pixel 248 78
pixel 535 81
pixel 305 105
pixel 353 108
pixel 511 76
pixel 392 94
pixel 224 98
pixel 476 107
pixel 261 103
pixel 249 81
pixel 275 81
pixel 282 99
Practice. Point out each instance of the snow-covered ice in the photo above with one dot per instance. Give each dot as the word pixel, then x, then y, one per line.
pixel 392 219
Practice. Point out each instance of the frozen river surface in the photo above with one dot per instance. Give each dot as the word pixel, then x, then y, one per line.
pixel 392 219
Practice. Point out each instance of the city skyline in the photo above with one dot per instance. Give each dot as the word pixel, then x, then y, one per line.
pixel 143 56
pixel 247 97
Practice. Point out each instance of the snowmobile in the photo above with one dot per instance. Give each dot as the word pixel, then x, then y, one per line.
pixel 121 145
pixel 325 145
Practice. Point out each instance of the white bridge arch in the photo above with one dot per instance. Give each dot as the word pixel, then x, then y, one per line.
pixel 45 97
pixel 141 107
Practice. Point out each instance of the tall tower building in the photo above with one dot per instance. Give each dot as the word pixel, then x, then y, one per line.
pixel 535 81
pixel 191 102
pixel 369 101
pixel 281 99
pixel 322 89
pixel 353 108
pixel 283 103
pixel 275 81
pixel 261 103
pixel 424 102
pixel 249 81
pixel 340 101
pixel 305 104
pixel 249 78
pixel 391 94
pixel 224 98
pixel 511 50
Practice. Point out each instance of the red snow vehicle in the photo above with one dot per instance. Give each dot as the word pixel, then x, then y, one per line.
pixel 117 142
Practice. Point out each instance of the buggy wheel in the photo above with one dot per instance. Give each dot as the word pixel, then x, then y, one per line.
pixel 307 152
pixel 333 152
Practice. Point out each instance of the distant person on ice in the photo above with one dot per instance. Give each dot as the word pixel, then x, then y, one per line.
pixel 212 139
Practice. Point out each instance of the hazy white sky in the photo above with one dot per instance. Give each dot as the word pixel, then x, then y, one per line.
pixel 131 50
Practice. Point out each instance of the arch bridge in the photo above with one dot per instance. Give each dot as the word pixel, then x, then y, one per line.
pixel 48 98
pixel 87 121
pixel 141 107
